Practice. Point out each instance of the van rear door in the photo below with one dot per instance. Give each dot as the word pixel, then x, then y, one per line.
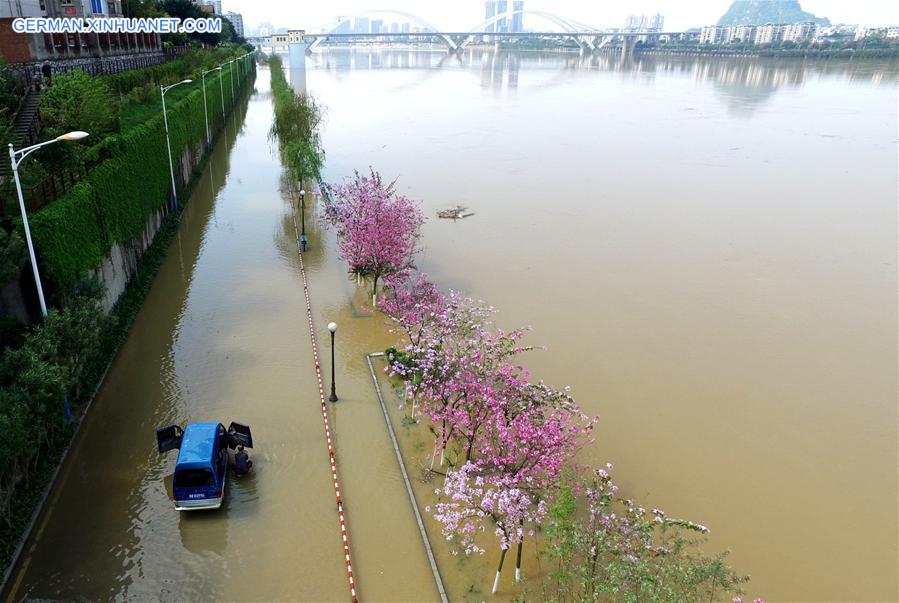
pixel 239 435
pixel 169 438
pixel 195 483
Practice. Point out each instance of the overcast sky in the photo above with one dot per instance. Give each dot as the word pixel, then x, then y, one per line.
pixel 462 15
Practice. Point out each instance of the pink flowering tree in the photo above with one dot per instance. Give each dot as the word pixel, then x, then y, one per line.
pixel 471 500
pixel 530 439
pixel 377 229
pixel 412 304
pixel 457 369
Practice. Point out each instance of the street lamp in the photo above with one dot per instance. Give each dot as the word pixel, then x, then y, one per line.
pixel 222 92
pixel 231 73
pixel 16 158
pixel 303 219
pixel 168 142
pixel 205 110
pixel 332 326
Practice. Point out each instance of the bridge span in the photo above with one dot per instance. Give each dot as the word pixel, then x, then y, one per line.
pixel 586 37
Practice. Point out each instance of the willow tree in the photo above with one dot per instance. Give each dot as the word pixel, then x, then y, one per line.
pixel 295 126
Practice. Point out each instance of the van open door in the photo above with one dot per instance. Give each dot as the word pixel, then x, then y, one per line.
pixel 239 435
pixel 169 438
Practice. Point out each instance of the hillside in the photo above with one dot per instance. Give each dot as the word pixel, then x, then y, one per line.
pixel 759 12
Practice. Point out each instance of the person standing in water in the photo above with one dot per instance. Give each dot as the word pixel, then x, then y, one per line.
pixel 242 462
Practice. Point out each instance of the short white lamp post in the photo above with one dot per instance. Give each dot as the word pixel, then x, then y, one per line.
pixel 16 157
pixel 168 142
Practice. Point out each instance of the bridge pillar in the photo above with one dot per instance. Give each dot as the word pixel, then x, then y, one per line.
pixel 296 48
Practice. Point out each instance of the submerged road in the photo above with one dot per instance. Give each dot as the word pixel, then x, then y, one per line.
pixel 223 335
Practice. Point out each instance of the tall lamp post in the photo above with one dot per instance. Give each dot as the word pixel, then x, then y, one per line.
pixel 168 142
pixel 222 91
pixel 303 219
pixel 205 110
pixel 231 73
pixel 332 326
pixel 16 157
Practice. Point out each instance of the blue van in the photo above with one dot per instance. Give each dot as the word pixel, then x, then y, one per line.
pixel 202 468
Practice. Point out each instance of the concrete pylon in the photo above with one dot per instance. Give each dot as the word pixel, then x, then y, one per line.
pixel 296 48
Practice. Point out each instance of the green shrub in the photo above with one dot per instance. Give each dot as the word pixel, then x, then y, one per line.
pixel 113 202
pixel 76 101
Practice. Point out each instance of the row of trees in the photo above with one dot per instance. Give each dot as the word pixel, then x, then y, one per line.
pixel 506 443
pixel 295 127
pixel 182 9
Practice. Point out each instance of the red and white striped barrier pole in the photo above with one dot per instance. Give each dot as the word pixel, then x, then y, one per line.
pixel 321 394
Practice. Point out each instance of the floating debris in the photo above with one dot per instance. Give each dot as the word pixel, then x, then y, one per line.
pixel 455 213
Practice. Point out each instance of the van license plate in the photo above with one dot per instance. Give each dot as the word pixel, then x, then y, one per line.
pixel 196 496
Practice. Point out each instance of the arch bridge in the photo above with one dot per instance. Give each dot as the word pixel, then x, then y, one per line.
pixel 586 37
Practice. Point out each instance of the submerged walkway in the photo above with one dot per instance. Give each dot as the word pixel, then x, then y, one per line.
pixel 321 394
pixel 222 336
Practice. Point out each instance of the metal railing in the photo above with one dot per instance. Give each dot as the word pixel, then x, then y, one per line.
pixel 31 72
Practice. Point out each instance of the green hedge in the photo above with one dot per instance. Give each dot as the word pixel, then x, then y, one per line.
pixel 167 73
pixel 74 233
pixel 69 235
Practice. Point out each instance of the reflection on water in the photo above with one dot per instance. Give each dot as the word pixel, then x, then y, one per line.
pixel 743 83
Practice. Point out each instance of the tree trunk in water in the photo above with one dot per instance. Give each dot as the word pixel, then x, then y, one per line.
pixel 502 557
pixel 518 560
pixel 374 292
pixel 433 455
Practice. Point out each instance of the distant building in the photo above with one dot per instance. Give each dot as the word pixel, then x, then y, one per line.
pixel 489 13
pixel 265 29
pixel 513 22
pixel 394 28
pixel 743 33
pixel 517 17
pixel 644 23
pixel 344 26
pixel 406 28
pixel 280 41
pixel 759 34
pixel 769 33
pixel 890 33
pixel 376 25
pixel 23 8
pixel 16 48
pixel 77 8
pixel 800 32
pixel 362 25
pixel 712 34
pixel 236 20
pixel 215 4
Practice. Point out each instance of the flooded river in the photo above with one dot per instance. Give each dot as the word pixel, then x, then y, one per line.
pixel 707 249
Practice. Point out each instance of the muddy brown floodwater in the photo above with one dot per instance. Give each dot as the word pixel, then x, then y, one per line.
pixel 707 248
